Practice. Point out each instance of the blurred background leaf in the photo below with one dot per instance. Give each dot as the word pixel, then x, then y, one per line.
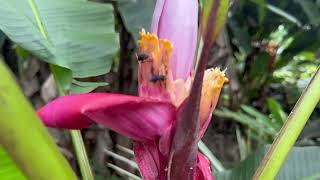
pixel 312 11
pixel 273 53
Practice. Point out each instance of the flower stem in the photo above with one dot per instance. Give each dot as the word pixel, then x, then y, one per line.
pixel 81 155
pixel 276 155
pixel 63 79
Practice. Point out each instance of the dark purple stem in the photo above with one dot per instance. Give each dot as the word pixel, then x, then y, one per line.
pixel 184 149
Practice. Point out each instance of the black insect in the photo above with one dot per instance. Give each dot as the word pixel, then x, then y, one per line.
pixel 142 56
pixel 155 78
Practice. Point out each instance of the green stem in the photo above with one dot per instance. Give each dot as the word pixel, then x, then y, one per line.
pixel 81 155
pixel 25 138
pixel 215 163
pixel 275 157
pixel 76 136
pixel 63 79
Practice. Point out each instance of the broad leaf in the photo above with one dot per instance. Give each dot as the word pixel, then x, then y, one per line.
pixel 85 87
pixel 301 162
pixel 67 85
pixel 78 35
pixel 136 14
pixel 8 169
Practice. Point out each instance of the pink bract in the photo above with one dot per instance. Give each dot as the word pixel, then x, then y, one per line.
pixel 177 21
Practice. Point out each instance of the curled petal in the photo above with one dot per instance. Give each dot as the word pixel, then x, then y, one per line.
pixel 177 21
pixel 147 158
pixel 203 171
pixel 65 112
pixel 213 81
pixel 157 15
pixel 165 141
pixel 136 117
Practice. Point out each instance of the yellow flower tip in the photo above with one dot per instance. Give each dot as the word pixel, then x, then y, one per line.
pixel 159 49
pixel 147 40
pixel 166 46
pixel 149 44
pixel 147 35
pixel 214 79
pixel 159 52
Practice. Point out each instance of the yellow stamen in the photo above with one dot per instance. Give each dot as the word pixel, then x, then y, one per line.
pixel 158 64
pixel 159 51
pixel 149 44
pixel 166 51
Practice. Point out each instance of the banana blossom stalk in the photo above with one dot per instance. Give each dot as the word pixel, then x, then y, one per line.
pixel 166 61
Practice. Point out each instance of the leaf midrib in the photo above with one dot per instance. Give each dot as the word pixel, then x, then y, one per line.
pixel 38 18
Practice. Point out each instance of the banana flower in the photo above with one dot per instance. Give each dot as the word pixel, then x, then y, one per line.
pixel 166 60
